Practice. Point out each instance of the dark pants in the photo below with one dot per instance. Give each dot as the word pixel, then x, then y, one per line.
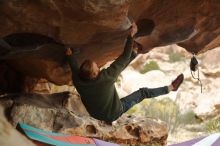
pixel 139 95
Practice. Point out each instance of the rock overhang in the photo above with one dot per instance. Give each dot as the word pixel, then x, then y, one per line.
pixel 100 28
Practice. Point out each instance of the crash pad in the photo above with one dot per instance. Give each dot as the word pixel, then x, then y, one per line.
pixel 45 138
pixel 210 140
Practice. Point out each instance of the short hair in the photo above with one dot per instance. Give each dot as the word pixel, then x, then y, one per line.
pixel 86 70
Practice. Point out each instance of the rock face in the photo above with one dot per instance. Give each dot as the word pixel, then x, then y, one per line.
pixel 99 29
pixel 208 106
pixel 9 136
pixel 50 114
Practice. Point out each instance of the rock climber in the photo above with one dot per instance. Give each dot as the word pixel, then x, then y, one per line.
pixel 96 87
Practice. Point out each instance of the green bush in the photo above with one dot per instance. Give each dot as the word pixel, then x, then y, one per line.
pixel 175 57
pixel 189 117
pixel 166 110
pixel 134 109
pixel 213 125
pixel 152 65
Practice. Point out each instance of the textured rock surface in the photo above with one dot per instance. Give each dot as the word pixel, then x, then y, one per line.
pixel 127 130
pixel 210 65
pixel 43 86
pixel 99 28
pixel 9 136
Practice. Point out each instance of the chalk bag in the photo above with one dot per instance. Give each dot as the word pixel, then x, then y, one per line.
pixel 194 67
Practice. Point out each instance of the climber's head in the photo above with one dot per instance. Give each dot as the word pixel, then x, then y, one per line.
pixel 89 70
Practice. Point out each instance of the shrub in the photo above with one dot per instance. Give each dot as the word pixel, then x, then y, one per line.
pixel 175 57
pixel 213 125
pixel 166 110
pixel 189 117
pixel 152 65
pixel 134 109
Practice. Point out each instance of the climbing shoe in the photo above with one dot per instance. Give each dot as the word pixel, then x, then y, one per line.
pixel 177 82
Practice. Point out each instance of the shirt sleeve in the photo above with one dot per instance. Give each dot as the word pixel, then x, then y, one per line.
pixel 123 60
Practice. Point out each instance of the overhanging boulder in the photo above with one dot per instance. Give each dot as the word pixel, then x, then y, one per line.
pixel 99 29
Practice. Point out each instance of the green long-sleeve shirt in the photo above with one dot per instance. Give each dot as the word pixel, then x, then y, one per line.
pixel 100 96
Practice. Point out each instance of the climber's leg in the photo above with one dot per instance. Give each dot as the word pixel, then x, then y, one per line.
pixel 137 96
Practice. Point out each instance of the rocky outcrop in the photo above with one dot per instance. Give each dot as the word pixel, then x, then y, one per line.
pixel 9 136
pixel 99 29
pixel 208 105
pixel 64 116
pixel 209 62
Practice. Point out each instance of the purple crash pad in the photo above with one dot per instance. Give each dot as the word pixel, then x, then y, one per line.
pixel 210 140
pixel 103 143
